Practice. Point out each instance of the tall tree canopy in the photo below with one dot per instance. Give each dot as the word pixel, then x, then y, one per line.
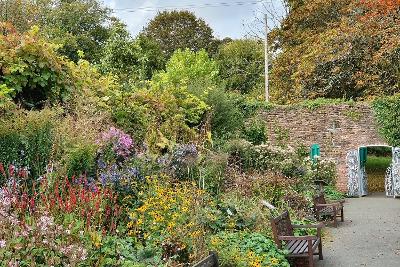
pixel 241 64
pixel 75 24
pixel 175 30
pixel 131 59
pixel 337 49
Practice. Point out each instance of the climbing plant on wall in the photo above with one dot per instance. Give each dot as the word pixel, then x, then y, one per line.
pixel 387 112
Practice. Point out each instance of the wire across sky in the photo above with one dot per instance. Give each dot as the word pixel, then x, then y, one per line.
pixel 189 6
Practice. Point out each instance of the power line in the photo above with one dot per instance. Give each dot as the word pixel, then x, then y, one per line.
pixel 191 6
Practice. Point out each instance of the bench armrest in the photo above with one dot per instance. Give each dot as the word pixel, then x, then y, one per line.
pixel 339 203
pixel 294 238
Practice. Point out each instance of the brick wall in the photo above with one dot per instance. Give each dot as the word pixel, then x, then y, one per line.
pixel 336 128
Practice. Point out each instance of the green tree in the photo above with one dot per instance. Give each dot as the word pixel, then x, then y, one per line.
pixel 194 70
pixel 74 24
pixel 241 64
pixel 174 30
pixel 131 59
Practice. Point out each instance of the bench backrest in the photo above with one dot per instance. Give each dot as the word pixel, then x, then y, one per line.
pixel 210 261
pixel 319 199
pixel 281 226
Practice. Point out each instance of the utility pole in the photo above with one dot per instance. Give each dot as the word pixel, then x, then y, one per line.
pixel 266 60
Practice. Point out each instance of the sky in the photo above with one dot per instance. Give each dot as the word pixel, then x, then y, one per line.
pixel 228 18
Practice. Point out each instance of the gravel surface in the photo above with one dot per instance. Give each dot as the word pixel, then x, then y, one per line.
pixel 370 235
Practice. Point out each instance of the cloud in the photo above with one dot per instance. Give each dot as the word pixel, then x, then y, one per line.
pixel 137 19
pixel 225 20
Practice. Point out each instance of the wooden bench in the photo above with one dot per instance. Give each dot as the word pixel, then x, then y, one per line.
pixel 210 261
pixel 322 208
pixel 298 246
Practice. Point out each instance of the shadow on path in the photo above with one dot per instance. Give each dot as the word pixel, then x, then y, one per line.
pixel 370 235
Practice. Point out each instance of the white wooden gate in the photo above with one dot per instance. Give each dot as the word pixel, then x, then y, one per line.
pixel 392 178
pixel 353 173
pixel 357 185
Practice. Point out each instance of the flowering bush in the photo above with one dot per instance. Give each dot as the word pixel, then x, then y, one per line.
pixel 246 249
pixel 95 208
pixel 113 163
pixel 37 240
pixel 167 218
pixel 117 145
pixel 32 233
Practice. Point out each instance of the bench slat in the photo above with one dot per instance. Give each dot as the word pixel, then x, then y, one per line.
pixel 300 246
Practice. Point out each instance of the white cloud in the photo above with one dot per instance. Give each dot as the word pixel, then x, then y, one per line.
pixel 225 20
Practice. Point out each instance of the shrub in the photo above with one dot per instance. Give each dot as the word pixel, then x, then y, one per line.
pixel 32 69
pixel 260 158
pixel 49 223
pixel 81 160
pixel 255 131
pixel 387 110
pixel 211 171
pixel 233 211
pixel 26 139
pixel 246 249
pixel 323 170
pixel 226 115
pixel 333 194
pixel 167 218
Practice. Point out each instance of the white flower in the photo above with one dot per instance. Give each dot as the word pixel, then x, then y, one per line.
pixel 2 243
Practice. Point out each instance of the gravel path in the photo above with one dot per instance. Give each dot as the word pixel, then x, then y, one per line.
pixel 370 235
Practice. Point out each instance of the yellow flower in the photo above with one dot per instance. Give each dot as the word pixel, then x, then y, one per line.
pixel 215 241
pixel 142 209
pixel 130 224
pixel 250 254
pixel 274 261
pixel 170 226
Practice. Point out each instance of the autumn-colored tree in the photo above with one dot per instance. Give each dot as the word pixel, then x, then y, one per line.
pixel 382 7
pixel 174 30
pixel 333 48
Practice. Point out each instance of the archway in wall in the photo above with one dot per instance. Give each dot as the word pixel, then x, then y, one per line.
pixel 359 166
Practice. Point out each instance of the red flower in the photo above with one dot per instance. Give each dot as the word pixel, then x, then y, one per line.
pixel 2 169
pixel 11 170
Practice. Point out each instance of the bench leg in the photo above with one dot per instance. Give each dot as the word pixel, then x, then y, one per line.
pixel 335 223
pixel 311 261
pixel 320 256
pixel 310 254
pixel 341 214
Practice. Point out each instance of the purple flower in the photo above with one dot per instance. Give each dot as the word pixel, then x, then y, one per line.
pixel 122 143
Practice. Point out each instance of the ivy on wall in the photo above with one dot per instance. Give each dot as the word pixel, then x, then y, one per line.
pixel 387 113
